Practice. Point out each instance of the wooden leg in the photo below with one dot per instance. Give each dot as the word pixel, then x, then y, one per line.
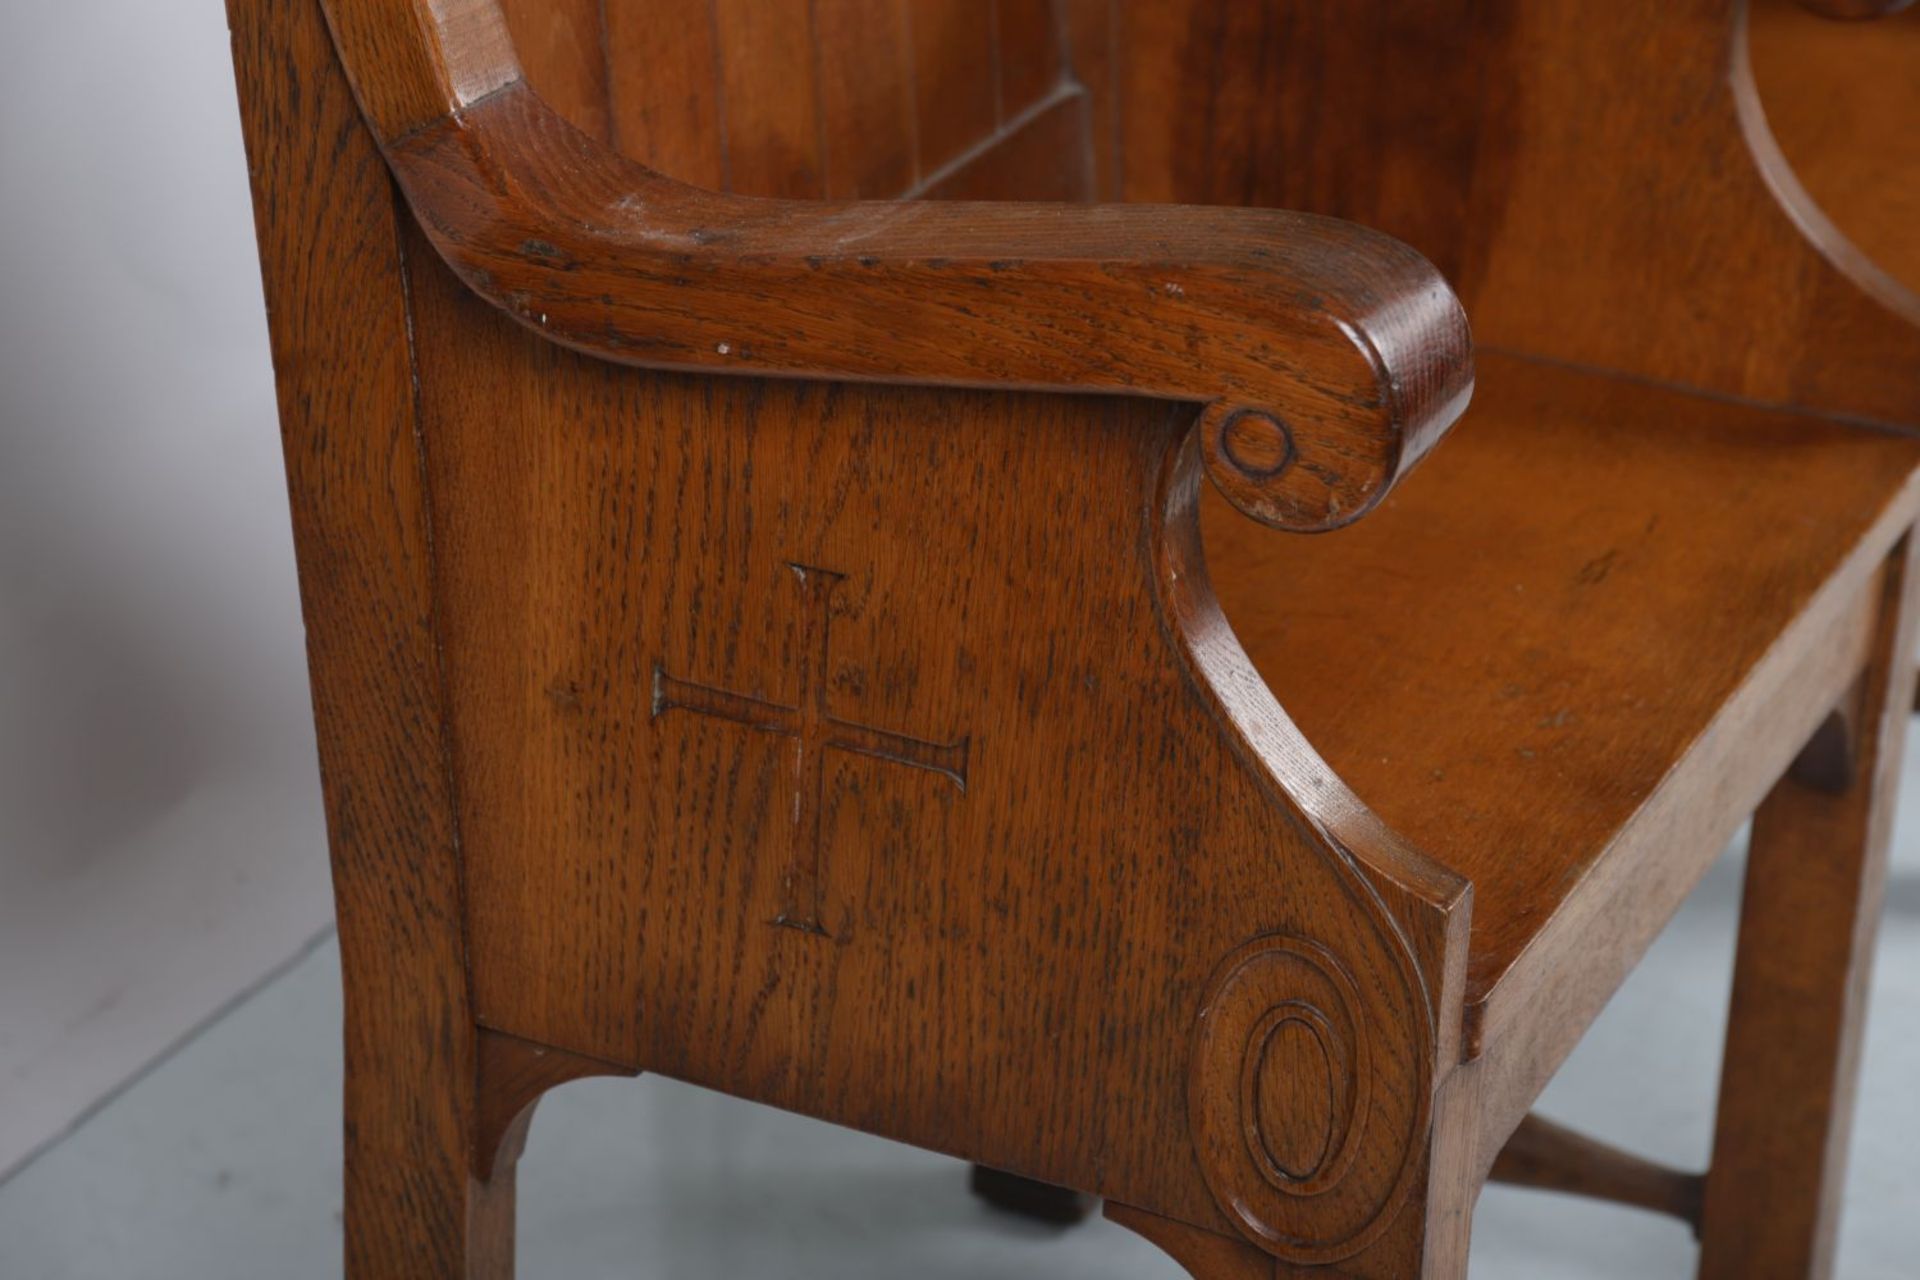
pixel 413 1205
pixel 1815 875
pixel 431 1161
pixel 1551 1157
pixel 1429 1239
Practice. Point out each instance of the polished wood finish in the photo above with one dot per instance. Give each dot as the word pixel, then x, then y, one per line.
pixel 1632 242
pixel 882 869
pixel 330 249
pixel 1551 1157
pixel 1816 874
pixel 1837 96
pixel 815 650
pixel 512 1075
pixel 854 99
pixel 1581 568
pixel 613 260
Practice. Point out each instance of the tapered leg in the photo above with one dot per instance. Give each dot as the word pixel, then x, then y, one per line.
pixel 413 1206
pixel 1815 874
pixel 421 1221
pixel 434 1133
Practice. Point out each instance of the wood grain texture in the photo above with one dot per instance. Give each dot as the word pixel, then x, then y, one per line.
pixel 613 259
pixel 1816 876
pixel 867 87
pixel 1837 96
pixel 512 1075
pixel 1190 304
pixel 772 90
pixel 332 267
pixel 647 929
pixel 1635 241
pixel 896 739
pixel 664 85
pixel 1092 32
pixel 1553 571
pixel 1551 1157
pixel 1028 58
pixel 800 98
pixel 561 46
pixel 1851 9
pixel 956 53
pixel 1040 154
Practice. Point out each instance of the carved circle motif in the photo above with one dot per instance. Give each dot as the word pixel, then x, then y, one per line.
pixel 1302 1114
pixel 1255 462
pixel 1295 1070
pixel 1257 444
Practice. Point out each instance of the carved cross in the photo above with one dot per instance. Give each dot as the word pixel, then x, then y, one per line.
pixel 814 731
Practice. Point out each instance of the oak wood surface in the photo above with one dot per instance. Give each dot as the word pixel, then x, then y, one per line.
pixel 510 1077
pixel 331 258
pixel 1554 571
pixel 1838 97
pixel 1633 239
pixel 1196 304
pixel 816 100
pixel 1550 1157
pixel 915 739
pixel 1328 359
pixel 847 99
pixel 617 841
pixel 1854 9
pixel 1816 876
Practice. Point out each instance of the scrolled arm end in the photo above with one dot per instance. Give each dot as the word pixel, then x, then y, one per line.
pixel 1309 462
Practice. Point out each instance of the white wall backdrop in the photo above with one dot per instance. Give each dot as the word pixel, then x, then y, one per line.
pixel 161 846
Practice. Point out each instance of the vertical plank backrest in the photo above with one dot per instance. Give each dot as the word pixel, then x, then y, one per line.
pixel 866 78
pixel 1841 98
pixel 1091 27
pixel 868 99
pixel 1285 104
pixel 663 87
pixel 561 49
pixel 954 62
pixel 770 86
pixel 1660 235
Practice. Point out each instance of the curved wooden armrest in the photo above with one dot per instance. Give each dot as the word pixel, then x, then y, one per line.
pixel 1329 357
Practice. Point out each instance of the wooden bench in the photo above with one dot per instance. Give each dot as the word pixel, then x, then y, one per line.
pixel 864 656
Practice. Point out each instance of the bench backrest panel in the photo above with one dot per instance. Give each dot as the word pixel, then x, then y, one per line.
pixel 1601 184
pixel 852 99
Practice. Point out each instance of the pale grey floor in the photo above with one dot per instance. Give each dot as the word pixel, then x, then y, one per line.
pixel 159 802
pixel 224 1161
